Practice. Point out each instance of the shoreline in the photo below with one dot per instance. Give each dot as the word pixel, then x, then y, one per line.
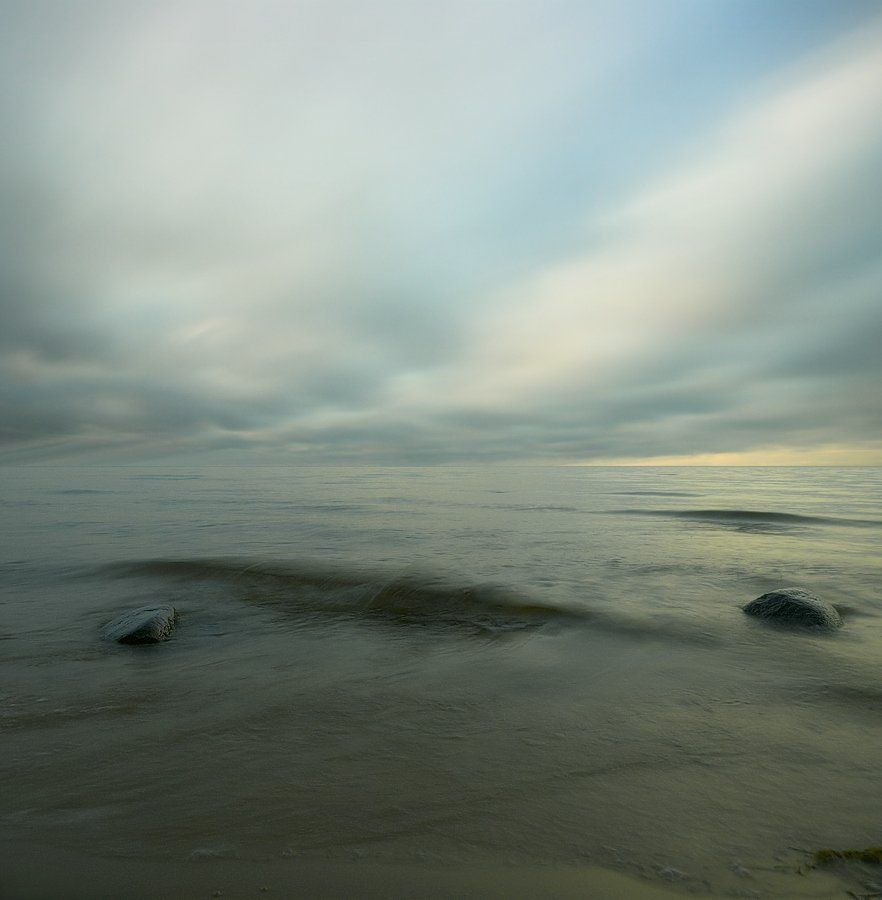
pixel 39 873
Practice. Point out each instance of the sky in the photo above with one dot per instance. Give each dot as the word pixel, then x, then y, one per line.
pixel 320 232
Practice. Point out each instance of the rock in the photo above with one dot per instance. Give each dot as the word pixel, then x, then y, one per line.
pixel 794 606
pixel 148 625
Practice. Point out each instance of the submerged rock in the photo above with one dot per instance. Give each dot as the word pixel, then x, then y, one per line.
pixel 794 606
pixel 148 625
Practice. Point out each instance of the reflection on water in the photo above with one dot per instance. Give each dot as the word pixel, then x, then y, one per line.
pixel 400 666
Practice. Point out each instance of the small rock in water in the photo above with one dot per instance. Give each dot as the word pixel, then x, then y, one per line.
pixel 148 625
pixel 794 606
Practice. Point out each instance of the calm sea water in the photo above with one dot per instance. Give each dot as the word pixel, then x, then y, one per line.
pixel 444 666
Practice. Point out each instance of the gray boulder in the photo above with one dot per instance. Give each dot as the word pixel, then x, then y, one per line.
pixel 794 606
pixel 148 625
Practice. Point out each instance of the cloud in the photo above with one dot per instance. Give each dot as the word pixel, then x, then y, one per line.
pixel 737 303
pixel 334 232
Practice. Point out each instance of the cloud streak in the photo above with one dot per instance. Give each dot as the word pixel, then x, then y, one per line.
pixel 321 233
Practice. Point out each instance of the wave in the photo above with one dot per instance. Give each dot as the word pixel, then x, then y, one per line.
pixel 166 476
pixel 77 491
pixel 657 493
pixel 751 519
pixel 533 508
pixel 311 591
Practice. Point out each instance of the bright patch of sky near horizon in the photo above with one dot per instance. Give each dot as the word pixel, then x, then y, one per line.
pixel 438 233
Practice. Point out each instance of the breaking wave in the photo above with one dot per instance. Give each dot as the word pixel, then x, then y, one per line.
pixel 310 591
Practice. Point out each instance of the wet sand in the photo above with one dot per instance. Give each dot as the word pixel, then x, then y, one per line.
pixel 31 873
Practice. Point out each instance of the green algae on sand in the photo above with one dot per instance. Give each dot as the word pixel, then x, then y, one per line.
pixel 868 855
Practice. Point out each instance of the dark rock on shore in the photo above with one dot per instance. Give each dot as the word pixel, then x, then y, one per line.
pixel 794 606
pixel 148 625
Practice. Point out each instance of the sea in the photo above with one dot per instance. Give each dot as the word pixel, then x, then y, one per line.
pixel 445 667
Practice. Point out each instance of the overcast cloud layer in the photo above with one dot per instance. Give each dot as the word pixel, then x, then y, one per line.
pixel 405 232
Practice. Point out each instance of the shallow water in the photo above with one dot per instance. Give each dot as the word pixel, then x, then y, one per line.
pixel 444 666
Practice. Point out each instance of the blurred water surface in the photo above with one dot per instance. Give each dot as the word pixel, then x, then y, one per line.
pixel 443 666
